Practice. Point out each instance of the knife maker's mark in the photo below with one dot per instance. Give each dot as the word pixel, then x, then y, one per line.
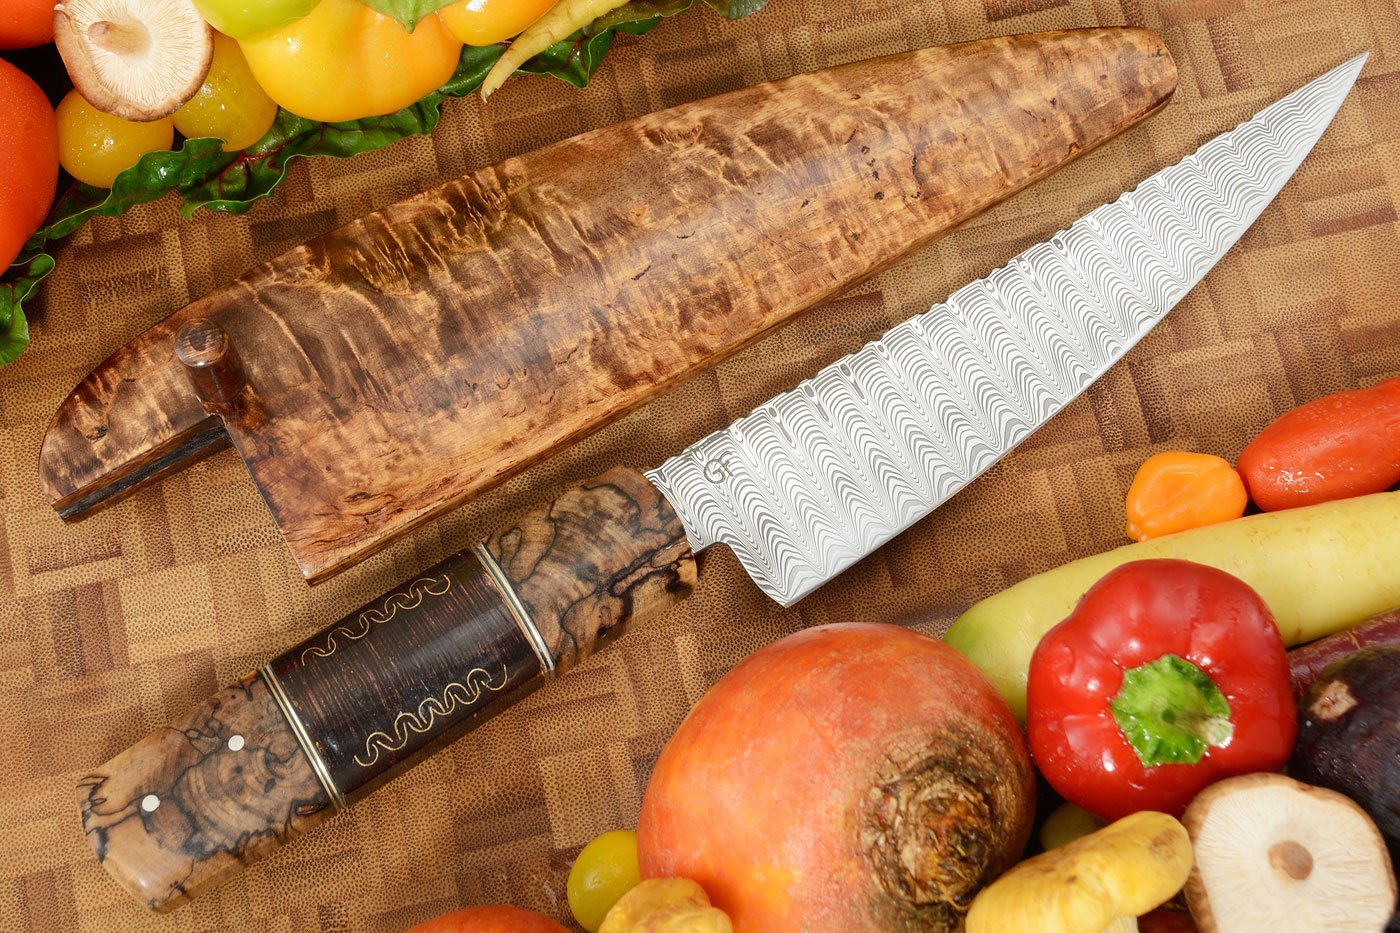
pixel 411 598
pixel 421 719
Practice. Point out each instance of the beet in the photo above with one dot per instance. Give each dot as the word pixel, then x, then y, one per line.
pixel 1349 735
pixel 847 778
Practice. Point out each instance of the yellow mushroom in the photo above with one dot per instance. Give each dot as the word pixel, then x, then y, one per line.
pixel 1099 883
pixel 666 905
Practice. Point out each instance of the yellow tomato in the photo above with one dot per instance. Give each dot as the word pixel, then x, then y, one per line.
pixel 486 22
pixel 230 105
pixel 605 870
pixel 344 61
pixel 94 146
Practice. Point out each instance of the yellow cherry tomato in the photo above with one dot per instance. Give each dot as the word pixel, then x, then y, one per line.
pixel 1067 824
pixel 94 146
pixel 344 61
pixel 605 870
pixel 230 105
pixel 486 22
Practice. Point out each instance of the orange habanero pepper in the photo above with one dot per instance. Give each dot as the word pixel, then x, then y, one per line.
pixel 1177 490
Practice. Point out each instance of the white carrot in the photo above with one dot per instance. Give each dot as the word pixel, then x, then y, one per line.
pixel 561 21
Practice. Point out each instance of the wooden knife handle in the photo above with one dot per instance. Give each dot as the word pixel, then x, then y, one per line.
pixel 268 758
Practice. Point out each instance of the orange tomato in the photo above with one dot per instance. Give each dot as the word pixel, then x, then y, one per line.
pixel 28 159
pixel 1177 490
pixel 25 23
pixel 496 919
pixel 486 22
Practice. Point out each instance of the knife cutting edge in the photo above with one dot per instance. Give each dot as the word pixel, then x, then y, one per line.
pixel 800 489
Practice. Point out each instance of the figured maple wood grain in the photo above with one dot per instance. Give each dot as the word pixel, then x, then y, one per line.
pixel 424 352
pixel 192 803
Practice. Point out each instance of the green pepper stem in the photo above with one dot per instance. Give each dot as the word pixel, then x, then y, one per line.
pixel 1171 712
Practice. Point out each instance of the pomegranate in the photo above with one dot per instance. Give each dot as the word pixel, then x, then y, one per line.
pixel 848 777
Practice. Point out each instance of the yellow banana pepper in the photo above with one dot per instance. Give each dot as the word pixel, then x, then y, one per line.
pixel 344 61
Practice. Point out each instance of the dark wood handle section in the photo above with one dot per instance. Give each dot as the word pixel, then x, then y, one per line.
pixel 356 704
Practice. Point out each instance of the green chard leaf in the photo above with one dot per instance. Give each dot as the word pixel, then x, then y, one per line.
pixel 28 270
pixel 206 176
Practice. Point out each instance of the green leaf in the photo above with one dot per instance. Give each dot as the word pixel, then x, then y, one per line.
pixel 16 286
pixel 733 9
pixel 408 12
pixel 206 176
pixel 648 12
pixel 154 175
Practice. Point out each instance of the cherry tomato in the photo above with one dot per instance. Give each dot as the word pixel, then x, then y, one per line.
pixel 95 146
pixel 230 105
pixel 486 22
pixel 25 23
pixel 28 159
pixel 1066 824
pixel 605 870
pixel 242 18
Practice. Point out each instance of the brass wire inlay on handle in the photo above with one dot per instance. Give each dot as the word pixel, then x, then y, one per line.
pixel 422 719
pixel 410 598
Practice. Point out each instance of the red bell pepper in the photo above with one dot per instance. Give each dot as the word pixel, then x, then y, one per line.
pixel 1167 675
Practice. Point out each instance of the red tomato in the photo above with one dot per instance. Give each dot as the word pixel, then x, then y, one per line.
pixel 1340 445
pixel 1167 675
pixel 496 919
pixel 28 159
pixel 24 23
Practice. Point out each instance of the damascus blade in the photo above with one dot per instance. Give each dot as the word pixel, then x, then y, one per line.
pixel 820 476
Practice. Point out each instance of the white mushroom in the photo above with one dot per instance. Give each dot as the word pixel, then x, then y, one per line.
pixel 1274 854
pixel 138 59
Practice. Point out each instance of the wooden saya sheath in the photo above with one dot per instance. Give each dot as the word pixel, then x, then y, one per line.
pixel 381 374
pixel 352 706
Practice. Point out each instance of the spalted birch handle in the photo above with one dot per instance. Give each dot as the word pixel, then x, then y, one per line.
pixel 268 758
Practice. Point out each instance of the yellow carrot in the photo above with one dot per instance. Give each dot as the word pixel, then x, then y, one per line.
pixel 561 21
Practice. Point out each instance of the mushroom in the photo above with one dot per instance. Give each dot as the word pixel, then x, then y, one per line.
pixel 1275 854
pixel 137 59
pixel 1099 883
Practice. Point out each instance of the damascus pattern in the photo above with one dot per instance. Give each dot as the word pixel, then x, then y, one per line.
pixel 822 475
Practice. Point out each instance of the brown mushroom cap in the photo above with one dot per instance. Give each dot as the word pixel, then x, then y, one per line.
pixel 1275 854
pixel 137 59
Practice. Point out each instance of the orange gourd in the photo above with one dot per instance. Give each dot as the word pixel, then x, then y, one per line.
pixel 1177 490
